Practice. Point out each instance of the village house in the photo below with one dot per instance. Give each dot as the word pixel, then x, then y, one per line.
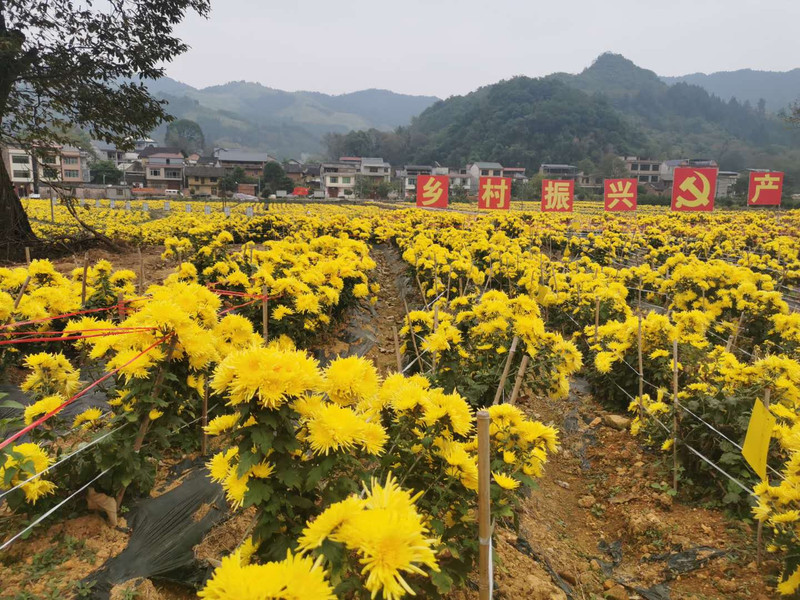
pixel 203 180
pixel 338 179
pixel 251 162
pixel 163 167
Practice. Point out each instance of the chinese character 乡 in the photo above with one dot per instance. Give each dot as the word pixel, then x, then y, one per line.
pixel 431 192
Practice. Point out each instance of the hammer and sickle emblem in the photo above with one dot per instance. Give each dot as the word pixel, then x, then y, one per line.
pixel 699 196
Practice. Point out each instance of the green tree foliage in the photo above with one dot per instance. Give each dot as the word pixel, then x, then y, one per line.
pixel 274 178
pixel 65 64
pixel 612 166
pixel 186 136
pixel 612 108
pixel 374 188
pixel 105 172
pixel 520 121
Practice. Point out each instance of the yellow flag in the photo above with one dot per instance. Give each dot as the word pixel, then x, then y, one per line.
pixel 756 442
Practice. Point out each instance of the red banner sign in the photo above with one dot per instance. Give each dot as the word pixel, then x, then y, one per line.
pixel 557 195
pixel 694 189
pixel 620 194
pixel 494 193
pixel 765 188
pixel 432 191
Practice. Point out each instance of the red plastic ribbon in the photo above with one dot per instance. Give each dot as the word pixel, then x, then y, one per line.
pixel 66 403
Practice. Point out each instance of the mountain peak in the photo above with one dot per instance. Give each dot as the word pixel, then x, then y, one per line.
pixel 618 71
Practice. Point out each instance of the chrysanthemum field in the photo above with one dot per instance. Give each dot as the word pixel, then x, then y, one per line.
pixel 317 370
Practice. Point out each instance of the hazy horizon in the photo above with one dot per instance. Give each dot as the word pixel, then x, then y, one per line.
pixel 450 47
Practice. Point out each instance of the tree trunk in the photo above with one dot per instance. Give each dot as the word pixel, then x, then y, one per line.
pixel 15 230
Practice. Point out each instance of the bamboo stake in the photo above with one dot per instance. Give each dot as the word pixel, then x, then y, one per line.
pixel 141 271
pixel 760 527
pixel 498 394
pixel 397 349
pixel 732 340
pixel 145 425
pixel 675 414
pixel 121 307
pixel 22 289
pixel 83 280
pixel 411 333
pixel 640 350
pixel 204 421
pixel 27 256
pixel 597 320
pixel 484 508
pixel 265 313
pixel 435 327
pixel 523 366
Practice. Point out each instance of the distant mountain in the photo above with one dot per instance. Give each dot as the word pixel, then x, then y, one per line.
pixel 613 106
pixel 250 115
pixel 683 119
pixel 779 89
pixel 518 122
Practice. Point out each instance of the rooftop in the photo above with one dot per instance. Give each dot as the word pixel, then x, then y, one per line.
pixel 488 165
pixel 160 151
pixel 373 161
pixel 242 156
pixel 205 171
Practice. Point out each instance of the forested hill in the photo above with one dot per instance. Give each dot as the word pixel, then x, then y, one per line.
pixel 612 106
pixel 772 91
pixel 286 124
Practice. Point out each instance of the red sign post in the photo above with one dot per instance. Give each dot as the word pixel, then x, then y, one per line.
pixel 432 191
pixel 557 195
pixel 620 195
pixel 494 193
pixel 694 189
pixel 765 188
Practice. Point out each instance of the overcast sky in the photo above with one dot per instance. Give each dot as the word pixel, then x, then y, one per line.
pixel 447 47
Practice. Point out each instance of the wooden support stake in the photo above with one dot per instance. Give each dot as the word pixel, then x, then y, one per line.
pixel 121 307
pixel 397 349
pixel 640 352
pixel 675 414
pixel 22 289
pixel 83 280
pixel 435 327
pixel 145 425
pixel 27 256
pixel 411 333
pixel 760 526
pixel 732 339
pixel 484 509
pixel 141 271
pixel 204 421
pixel 499 393
pixel 597 320
pixel 265 313
pixel 523 366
